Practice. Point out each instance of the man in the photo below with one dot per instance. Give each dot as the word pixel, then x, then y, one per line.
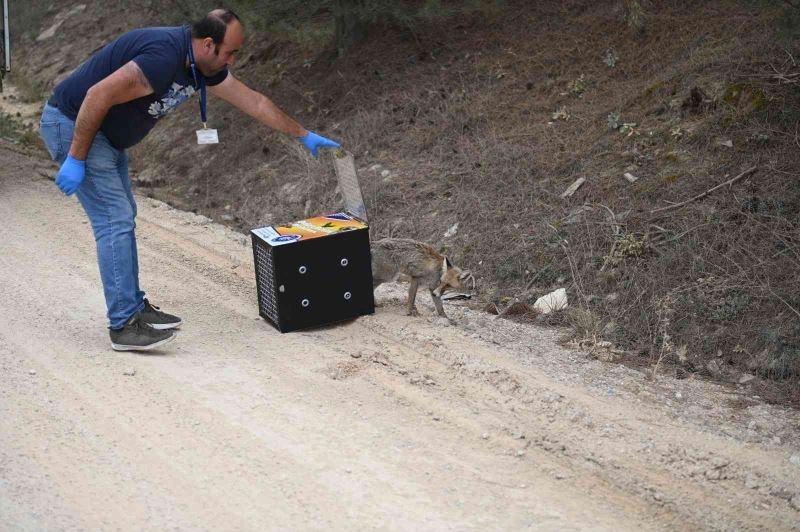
pixel 110 103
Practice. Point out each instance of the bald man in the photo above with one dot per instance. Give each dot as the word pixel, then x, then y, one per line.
pixel 109 104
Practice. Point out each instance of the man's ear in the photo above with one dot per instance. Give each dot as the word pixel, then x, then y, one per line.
pixel 208 44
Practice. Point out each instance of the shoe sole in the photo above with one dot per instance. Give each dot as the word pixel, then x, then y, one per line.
pixel 123 347
pixel 165 326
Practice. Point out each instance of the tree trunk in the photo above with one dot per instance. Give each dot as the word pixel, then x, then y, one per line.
pixel 351 28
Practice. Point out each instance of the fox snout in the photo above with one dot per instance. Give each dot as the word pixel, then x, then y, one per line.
pixel 453 278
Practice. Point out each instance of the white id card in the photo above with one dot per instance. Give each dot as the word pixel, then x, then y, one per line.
pixel 207 136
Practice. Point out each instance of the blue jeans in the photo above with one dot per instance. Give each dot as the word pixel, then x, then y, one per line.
pixel 106 196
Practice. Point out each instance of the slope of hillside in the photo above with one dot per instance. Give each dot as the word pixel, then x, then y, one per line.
pixel 485 121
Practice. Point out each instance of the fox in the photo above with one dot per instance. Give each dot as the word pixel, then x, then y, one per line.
pixel 393 257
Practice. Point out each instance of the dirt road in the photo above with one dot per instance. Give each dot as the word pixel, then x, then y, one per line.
pixel 388 422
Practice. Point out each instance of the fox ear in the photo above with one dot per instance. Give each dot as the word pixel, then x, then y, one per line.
pixel 447 263
pixel 444 266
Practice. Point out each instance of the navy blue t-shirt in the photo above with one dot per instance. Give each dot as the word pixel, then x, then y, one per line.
pixel 161 55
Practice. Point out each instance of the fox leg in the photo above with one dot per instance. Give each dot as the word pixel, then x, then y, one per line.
pixel 411 308
pixel 437 302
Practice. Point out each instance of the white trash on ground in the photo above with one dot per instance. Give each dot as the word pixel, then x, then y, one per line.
pixel 551 302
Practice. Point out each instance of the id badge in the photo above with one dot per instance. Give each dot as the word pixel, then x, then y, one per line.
pixel 207 136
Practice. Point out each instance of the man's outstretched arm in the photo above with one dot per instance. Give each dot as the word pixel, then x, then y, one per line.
pixel 265 111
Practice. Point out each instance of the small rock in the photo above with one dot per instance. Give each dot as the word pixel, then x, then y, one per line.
pixel 678 395
pixel 744 379
pixel 385 173
pixel 713 368
pixel 728 143
pixel 227 217
pixel 751 483
pixel 130 372
pixel 713 474
pixel 520 452
pixel 355 355
pixel 613 296
pixel 485 436
pixel 31 372
pixel 560 476
pixel 452 231
pixel 437 418
pixel 630 177
pixel 523 486
pixel 719 462
pixel 518 436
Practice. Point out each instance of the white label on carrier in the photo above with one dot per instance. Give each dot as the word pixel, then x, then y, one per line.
pixel 266 233
pixel 207 136
pixel 274 238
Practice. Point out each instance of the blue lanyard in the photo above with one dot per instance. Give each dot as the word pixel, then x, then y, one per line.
pixel 202 84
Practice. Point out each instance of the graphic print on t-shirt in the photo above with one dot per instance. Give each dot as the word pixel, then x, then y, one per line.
pixel 176 95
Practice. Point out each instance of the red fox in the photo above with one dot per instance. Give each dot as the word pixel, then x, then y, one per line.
pixel 392 257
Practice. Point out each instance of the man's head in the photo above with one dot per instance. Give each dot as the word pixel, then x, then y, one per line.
pixel 216 39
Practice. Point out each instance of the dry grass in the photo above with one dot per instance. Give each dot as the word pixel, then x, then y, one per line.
pixel 715 276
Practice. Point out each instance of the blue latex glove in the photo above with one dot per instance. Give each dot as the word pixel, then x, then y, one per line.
pixel 312 141
pixel 70 175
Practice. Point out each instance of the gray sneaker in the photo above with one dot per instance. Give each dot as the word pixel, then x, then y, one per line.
pixel 136 335
pixel 153 316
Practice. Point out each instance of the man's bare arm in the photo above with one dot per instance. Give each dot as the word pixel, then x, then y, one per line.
pixel 256 105
pixel 123 85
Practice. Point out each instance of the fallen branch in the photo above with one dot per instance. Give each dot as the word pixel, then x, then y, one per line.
pixel 706 193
